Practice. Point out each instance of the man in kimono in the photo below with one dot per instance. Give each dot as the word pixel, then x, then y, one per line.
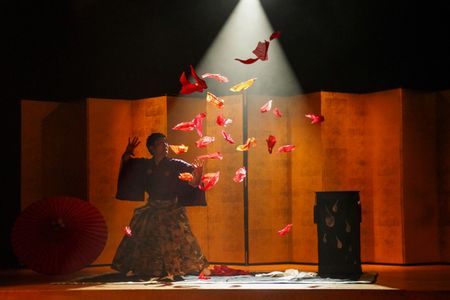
pixel 161 243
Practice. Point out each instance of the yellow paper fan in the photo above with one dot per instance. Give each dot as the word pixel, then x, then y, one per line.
pixel 242 86
pixel 211 98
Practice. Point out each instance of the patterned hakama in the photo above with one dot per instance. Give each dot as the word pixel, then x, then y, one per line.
pixel 161 243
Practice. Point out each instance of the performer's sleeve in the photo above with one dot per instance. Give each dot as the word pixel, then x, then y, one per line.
pixel 189 195
pixel 131 182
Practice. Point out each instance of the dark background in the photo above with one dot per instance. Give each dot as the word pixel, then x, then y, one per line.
pixel 70 50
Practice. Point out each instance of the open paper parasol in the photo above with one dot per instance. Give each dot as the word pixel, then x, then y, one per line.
pixel 59 235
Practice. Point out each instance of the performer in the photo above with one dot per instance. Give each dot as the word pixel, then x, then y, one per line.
pixel 161 243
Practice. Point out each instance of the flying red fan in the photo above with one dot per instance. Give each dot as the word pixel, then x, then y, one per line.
pixel 184 126
pixel 271 141
pixel 188 87
pixel 215 155
pixel 221 121
pixel 218 77
pixel 250 142
pixel 315 118
pixel 202 276
pixel 277 112
pixel 204 141
pixel 209 180
pixel 261 50
pixel 285 230
pixel 127 230
pixel 227 137
pixel 286 148
pixel 223 270
pixel 266 107
pixel 240 175
pixel 59 235
pixel 198 123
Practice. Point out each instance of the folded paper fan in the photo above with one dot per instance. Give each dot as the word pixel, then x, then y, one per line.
pixel 242 86
pixel 216 155
pixel 218 77
pixel 185 176
pixel 213 99
pixel 221 121
pixel 209 180
pixel 204 141
pixel 178 149
pixel 227 137
pixel 261 50
pixel 271 141
pixel 240 175
pixel 250 142
pixel 187 87
pixel 285 230
pixel 315 118
pixel 286 148
pixel 197 121
pixel 266 107
pixel 127 231
pixel 277 112
pixel 184 126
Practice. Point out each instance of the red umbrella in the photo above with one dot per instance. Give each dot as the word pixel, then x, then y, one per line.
pixel 59 235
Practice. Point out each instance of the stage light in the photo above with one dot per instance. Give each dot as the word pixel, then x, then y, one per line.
pixel 245 27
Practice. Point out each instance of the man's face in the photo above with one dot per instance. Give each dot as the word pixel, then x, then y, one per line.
pixel 160 147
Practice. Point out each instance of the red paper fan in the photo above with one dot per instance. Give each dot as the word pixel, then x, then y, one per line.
pixel 59 235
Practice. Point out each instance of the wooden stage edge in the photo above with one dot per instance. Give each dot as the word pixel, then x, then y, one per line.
pixel 393 282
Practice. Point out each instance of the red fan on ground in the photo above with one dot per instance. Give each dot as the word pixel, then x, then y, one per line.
pixel 59 235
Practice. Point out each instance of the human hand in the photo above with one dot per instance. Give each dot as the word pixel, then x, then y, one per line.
pixel 132 144
pixel 198 165
pixel 198 171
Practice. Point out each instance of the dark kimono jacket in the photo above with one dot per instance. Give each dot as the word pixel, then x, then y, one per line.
pixel 139 175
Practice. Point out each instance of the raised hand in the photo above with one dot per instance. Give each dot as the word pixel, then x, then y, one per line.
pixel 198 171
pixel 198 163
pixel 132 144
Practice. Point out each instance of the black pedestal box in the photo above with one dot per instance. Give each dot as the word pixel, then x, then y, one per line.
pixel 338 216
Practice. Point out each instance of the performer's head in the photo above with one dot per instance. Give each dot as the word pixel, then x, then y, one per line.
pixel 157 144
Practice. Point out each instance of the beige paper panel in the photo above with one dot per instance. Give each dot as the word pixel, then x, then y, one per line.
pixel 110 124
pixel 225 219
pixel 184 109
pixel 57 133
pixel 420 182
pixel 270 182
pixel 33 114
pixel 362 142
pixel 443 170
pixel 306 173
pixel 382 223
pixel 347 159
